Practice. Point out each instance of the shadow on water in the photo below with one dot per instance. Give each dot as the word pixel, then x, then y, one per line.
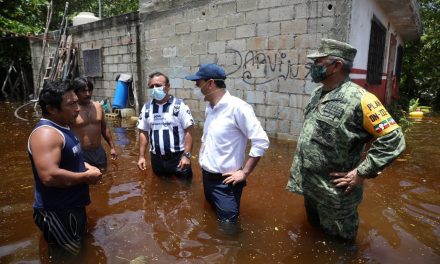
pixel 137 215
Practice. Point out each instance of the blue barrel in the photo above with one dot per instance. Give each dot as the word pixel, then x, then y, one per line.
pixel 121 95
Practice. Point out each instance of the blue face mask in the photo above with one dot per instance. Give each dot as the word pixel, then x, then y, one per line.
pixel 158 93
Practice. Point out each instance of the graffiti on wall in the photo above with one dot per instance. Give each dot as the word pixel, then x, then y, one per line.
pixel 260 67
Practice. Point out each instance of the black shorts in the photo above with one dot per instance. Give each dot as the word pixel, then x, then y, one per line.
pixel 64 229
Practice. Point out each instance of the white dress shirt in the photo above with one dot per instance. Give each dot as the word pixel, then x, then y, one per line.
pixel 228 127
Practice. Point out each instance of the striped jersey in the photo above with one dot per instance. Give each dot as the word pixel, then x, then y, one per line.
pixel 165 125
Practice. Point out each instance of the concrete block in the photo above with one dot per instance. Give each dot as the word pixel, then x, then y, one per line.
pixel 236 44
pixel 216 22
pixel 246 5
pixel 301 100
pixel 183 50
pixel 207 36
pixel 123 68
pixel 291 86
pixel 206 58
pixel 113 68
pixel 198 48
pixel 183 28
pixel 257 16
pixel 245 31
pixel 216 47
pixel 269 29
pixel 226 58
pixel 327 8
pixel 225 33
pixel 199 25
pixel 169 52
pixel 301 11
pixel 257 43
pixel 280 99
pixel 227 7
pixel 283 126
pixel 255 97
pixel 176 83
pixel 294 27
pixel 281 13
pixel 282 42
pixel 234 20
pixel 271 125
pixel 271 3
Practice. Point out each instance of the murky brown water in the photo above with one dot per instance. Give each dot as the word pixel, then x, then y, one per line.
pixel 135 214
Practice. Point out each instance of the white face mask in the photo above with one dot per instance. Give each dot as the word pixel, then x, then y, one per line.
pixel 198 93
pixel 157 93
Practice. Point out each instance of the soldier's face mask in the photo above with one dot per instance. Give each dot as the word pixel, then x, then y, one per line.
pixel 319 72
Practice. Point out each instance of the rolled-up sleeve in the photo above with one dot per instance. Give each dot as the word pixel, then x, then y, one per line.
pixel 251 127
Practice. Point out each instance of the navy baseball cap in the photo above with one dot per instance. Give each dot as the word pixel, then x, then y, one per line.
pixel 208 71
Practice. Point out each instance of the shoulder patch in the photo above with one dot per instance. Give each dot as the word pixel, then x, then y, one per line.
pixel 377 121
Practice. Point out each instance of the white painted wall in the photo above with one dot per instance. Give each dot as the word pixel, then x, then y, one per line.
pixel 362 14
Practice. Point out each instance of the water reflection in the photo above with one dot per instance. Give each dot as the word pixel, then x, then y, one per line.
pixel 136 215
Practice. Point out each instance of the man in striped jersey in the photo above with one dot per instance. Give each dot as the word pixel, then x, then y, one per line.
pixel 61 177
pixel 166 123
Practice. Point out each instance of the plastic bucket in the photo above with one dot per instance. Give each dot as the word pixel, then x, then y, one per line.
pixel 121 95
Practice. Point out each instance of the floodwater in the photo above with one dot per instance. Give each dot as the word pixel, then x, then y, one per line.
pixel 137 215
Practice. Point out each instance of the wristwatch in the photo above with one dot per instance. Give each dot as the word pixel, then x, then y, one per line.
pixel 187 154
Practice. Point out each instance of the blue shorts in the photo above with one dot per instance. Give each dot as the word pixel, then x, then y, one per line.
pixel 225 198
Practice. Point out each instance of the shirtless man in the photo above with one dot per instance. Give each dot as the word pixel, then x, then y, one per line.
pixel 90 125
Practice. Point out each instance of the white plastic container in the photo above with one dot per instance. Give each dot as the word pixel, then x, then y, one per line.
pixel 84 18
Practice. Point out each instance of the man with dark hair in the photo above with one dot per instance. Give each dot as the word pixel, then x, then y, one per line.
pixel 166 123
pixel 340 119
pixel 229 123
pixel 61 177
pixel 90 125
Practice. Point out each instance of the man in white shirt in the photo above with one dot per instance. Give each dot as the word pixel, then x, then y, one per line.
pixel 229 123
pixel 166 123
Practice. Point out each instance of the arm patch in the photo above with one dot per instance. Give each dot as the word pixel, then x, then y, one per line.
pixel 377 121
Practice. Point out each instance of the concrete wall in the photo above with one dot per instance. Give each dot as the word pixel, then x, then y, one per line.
pixel 111 36
pixel 261 44
pixel 363 12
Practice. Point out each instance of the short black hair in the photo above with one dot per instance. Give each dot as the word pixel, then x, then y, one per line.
pixel 154 74
pixel 219 83
pixel 80 83
pixel 52 94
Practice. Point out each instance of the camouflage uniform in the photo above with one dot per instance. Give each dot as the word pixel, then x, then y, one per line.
pixel 336 128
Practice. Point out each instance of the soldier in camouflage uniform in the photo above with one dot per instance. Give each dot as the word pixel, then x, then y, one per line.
pixel 341 117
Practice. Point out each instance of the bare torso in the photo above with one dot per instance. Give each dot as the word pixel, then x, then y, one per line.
pixel 87 125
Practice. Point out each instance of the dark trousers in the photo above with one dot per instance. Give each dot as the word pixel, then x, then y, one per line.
pixel 166 165
pixel 63 230
pixel 225 198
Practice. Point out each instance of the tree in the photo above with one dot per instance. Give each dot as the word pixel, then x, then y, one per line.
pixel 28 17
pixel 420 71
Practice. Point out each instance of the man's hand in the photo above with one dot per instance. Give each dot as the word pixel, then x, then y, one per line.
pixel 184 163
pixel 113 154
pixel 94 175
pixel 141 163
pixel 347 179
pixel 234 177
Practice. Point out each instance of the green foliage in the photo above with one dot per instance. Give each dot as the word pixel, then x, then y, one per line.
pixel 421 72
pixel 413 104
pixel 22 17
pixel 28 17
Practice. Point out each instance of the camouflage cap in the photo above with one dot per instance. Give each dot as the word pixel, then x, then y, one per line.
pixel 331 47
